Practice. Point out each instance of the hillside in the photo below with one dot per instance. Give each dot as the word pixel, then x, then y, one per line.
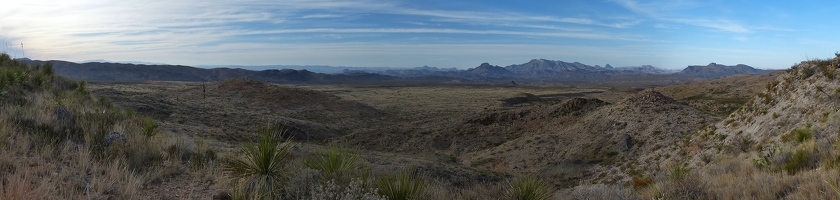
pixel 753 136
pixel 714 70
pixel 800 103
pixel 235 106
pixel 592 139
pixel 781 144
pixel 136 73
pixel 720 96
pixel 60 142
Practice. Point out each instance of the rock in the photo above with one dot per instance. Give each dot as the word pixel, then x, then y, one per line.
pixel 113 137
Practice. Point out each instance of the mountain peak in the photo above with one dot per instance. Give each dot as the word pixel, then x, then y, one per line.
pixel 485 65
pixel 487 70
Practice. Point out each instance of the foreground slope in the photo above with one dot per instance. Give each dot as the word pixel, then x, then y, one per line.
pixel 781 144
pixel 57 141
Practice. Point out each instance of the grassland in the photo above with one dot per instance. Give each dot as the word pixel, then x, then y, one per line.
pixel 444 141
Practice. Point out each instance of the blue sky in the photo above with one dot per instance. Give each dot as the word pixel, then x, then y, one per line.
pixel 395 33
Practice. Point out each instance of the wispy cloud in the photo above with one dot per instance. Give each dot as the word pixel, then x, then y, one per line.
pixel 722 25
pixel 585 35
pixel 506 17
pixel 141 25
pixel 658 10
pixel 320 16
pixel 193 31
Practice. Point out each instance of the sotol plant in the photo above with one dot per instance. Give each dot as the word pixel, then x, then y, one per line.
pixel 401 186
pixel 528 188
pixel 258 173
pixel 337 165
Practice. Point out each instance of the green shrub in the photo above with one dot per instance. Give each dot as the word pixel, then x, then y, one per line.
pixel 528 188
pixel 799 135
pixel 679 172
pixel 259 171
pixel 806 72
pixel 401 186
pixel 798 162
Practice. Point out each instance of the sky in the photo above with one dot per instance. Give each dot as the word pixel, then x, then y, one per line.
pixel 772 34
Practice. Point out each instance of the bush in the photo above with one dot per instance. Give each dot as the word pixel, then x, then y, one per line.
pixel 680 172
pixel 355 190
pixel 799 135
pixel 528 188
pixel 800 160
pixel 742 143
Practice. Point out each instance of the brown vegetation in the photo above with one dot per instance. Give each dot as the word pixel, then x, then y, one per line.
pixel 749 137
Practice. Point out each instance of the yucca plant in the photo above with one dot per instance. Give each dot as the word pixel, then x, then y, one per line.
pixel 401 186
pixel 336 164
pixel 259 173
pixel 528 188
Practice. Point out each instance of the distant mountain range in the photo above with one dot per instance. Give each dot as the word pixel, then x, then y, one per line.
pixel 535 70
pixel 96 71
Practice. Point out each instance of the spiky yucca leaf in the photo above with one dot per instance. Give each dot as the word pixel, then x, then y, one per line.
pixel 336 164
pixel 528 188
pixel 259 171
pixel 401 186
